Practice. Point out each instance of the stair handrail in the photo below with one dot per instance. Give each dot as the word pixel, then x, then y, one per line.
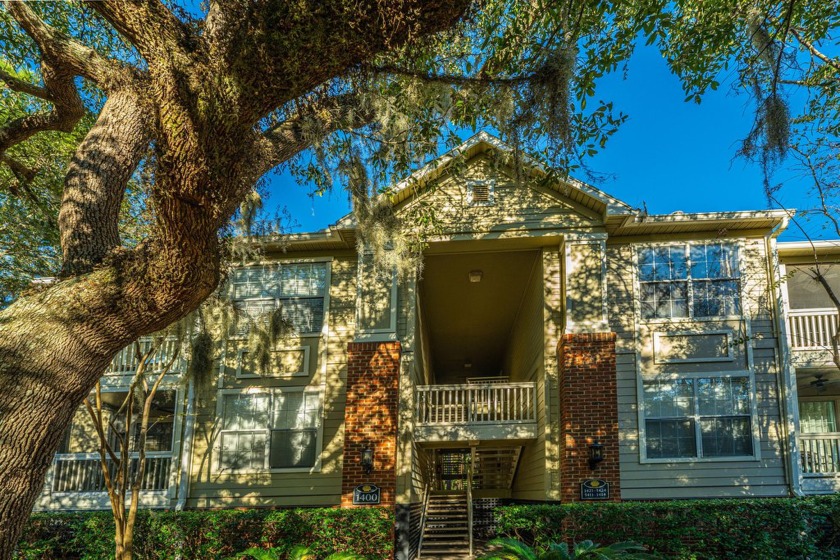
pixel 469 503
pixel 426 493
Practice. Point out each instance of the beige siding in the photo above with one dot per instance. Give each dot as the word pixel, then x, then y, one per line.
pixel 753 348
pixel 524 361
pixel 516 206
pixel 328 361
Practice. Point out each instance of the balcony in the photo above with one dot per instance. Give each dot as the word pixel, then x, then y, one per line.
pixel 76 482
pixel 82 472
pixel 476 411
pixel 820 462
pixel 810 332
pixel 125 362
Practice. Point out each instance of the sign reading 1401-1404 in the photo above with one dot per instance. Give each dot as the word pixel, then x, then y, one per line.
pixel 594 489
pixel 367 495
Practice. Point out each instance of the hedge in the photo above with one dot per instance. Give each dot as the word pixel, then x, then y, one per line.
pixel 210 534
pixel 807 528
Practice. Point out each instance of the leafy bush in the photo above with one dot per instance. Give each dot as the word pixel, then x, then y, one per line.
pixel 219 534
pixel 688 529
pixel 512 549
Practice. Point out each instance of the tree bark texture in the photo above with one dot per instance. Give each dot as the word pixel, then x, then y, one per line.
pixel 96 179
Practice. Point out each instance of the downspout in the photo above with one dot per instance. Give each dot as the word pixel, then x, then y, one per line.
pixel 785 378
pixel 186 448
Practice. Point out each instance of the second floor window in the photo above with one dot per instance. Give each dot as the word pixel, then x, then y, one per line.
pixel 689 280
pixel 298 289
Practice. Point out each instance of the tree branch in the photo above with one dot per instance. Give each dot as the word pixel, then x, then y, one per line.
pixel 290 137
pixel 22 86
pixel 62 48
pixel 67 110
pixel 814 51
pixel 148 25
pixel 452 79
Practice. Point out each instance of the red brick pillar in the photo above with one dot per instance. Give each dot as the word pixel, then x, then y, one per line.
pixel 588 411
pixel 370 418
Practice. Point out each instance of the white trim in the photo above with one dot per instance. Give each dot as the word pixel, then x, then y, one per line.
pixel 304 372
pixel 271 391
pixel 491 192
pixel 185 457
pixel 363 334
pixel 730 356
pixel 754 427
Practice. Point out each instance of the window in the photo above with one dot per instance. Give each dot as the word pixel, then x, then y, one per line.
pixel 270 430
pixel 703 417
pixel 817 417
pixel 480 193
pixel 297 289
pixel 689 280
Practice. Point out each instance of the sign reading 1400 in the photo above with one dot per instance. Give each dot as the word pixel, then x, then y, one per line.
pixel 367 495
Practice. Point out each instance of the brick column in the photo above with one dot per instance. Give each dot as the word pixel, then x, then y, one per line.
pixel 370 418
pixel 588 411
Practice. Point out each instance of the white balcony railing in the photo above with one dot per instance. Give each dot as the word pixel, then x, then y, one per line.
pixel 820 454
pixel 812 329
pixel 126 362
pixel 487 403
pixel 82 472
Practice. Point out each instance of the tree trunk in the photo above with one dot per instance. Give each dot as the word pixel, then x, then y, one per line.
pixel 54 346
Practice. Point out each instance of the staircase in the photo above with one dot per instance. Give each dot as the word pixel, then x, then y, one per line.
pixel 446 531
pixel 495 467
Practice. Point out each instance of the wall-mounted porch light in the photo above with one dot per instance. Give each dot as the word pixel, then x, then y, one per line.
pixel 367 460
pixel 475 276
pixel 596 454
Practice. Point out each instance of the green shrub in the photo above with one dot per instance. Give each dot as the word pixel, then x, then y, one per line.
pixel 689 529
pixel 218 534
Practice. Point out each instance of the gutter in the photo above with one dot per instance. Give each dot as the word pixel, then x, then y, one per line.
pixel 785 377
pixel 186 448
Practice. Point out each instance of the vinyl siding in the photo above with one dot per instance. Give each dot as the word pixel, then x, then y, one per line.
pixel 328 363
pixel 524 361
pixel 705 478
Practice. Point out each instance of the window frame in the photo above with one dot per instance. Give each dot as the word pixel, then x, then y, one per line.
pixel 834 399
pixel 240 358
pixel 696 417
pixel 237 334
pixel 689 280
pixel 271 391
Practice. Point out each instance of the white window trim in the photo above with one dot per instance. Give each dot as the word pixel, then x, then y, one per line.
pixel 754 427
pixel 730 355
pixel 303 373
pixel 690 288
pixel 278 263
pixel 491 192
pixel 319 442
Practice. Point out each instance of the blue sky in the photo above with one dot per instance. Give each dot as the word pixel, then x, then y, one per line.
pixel 670 155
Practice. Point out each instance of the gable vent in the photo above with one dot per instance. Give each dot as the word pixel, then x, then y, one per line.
pixel 480 193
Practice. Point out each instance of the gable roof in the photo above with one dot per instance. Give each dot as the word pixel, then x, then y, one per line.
pixel 483 142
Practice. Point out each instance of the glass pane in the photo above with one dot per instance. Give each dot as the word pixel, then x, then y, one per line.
pixel 817 417
pixel 292 448
pixel 303 279
pixel 246 412
pixel 722 396
pixel 296 410
pixel 670 439
pixel 244 450
pixel 726 437
pixel 304 315
pixel 670 398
